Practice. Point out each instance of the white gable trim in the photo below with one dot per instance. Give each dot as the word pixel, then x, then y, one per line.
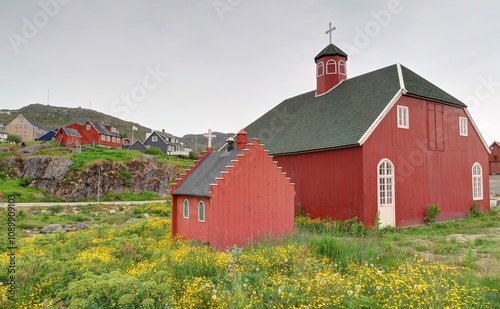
pixel 401 80
pixel 319 95
pixel 477 130
pixel 386 110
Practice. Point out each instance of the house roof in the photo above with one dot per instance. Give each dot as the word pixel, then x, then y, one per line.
pixel 71 132
pixel 139 146
pixel 35 123
pixel 101 128
pixel 164 136
pixel 198 182
pixel 341 117
pixel 330 50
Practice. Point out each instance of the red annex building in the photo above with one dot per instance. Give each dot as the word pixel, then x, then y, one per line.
pixel 233 196
pixel 68 137
pixel 495 158
pixel 387 142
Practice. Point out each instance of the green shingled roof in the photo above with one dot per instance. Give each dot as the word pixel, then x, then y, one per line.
pixel 339 118
pixel 331 50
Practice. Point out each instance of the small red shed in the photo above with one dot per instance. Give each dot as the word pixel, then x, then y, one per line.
pixel 387 142
pixel 68 137
pixel 494 158
pixel 233 197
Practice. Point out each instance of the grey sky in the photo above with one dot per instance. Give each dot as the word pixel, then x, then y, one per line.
pixel 187 66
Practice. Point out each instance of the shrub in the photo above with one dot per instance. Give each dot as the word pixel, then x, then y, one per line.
pixel 474 211
pixel 25 181
pixel 55 209
pixel 431 213
pixel 155 151
pixel 14 138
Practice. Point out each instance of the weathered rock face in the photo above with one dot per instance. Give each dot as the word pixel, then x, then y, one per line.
pixel 52 174
pixel 41 167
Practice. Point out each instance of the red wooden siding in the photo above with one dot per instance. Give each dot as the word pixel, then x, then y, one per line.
pixel 430 166
pixel 253 199
pixel 63 139
pixel 327 183
pixel 93 137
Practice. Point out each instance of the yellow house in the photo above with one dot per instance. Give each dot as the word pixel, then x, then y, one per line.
pixel 28 129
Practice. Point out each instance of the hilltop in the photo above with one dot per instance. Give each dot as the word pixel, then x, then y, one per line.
pixel 53 117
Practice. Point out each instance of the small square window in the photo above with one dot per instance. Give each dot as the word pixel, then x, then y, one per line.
pixel 88 127
pixel 403 117
pixel 154 138
pixel 463 126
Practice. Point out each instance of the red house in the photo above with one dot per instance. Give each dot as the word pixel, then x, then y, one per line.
pixel 100 134
pixel 232 197
pixel 68 137
pixel 494 158
pixel 387 142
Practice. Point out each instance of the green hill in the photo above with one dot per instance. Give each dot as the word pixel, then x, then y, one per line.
pixel 54 116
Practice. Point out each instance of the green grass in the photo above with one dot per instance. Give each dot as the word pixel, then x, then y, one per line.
pixel 24 194
pixel 92 155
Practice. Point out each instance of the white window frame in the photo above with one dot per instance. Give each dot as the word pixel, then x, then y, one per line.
pixel 118 140
pixel 403 117
pixel 331 63
pixel 477 182
pixel 185 209
pixel 103 138
pixel 88 127
pixel 322 66
pixel 463 126
pixel 201 208
pixel 342 68
pixel 108 138
pixel 384 181
pixel 154 138
pixel 114 139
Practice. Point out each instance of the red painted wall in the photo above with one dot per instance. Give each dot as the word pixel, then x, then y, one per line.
pixel 424 176
pixel 327 183
pixel 252 200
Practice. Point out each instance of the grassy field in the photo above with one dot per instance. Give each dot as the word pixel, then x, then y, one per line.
pixel 323 264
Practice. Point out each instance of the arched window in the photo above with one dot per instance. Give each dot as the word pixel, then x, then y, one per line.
pixel 385 183
pixel 342 67
pixel 185 211
pixel 331 67
pixel 477 182
pixel 320 69
pixel 201 211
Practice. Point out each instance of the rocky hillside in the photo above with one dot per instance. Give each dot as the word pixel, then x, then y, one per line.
pixel 54 116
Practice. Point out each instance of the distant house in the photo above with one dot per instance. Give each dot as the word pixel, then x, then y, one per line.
pixel 169 144
pixel 47 137
pixel 139 146
pixel 68 137
pixel 494 158
pixel 27 128
pixel 233 197
pixel 3 137
pixel 126 143
pixel 99 134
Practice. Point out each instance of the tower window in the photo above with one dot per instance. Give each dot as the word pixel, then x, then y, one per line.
pixel 342 70
pixel 320 70
pixel 331 67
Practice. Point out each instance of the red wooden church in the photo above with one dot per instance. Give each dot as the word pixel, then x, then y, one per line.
pixel 387 142
pixel 233 196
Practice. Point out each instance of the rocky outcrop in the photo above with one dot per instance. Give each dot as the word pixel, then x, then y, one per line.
pixel 40 167
pixel 53 175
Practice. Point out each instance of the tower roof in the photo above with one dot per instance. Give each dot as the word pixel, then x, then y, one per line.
pixel 330 50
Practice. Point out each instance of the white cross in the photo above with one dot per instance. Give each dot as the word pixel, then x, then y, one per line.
pixel 329 31
pixel 210 136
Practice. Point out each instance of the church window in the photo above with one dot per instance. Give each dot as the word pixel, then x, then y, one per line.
pixel 403 117
pixel 477 182
pixel 320 70
pixel 342 70
pixel 201 211
pixel 331 67
pixel 463 126
pixel 185 211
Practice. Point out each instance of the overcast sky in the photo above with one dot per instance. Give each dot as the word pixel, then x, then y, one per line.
pixel 186 66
